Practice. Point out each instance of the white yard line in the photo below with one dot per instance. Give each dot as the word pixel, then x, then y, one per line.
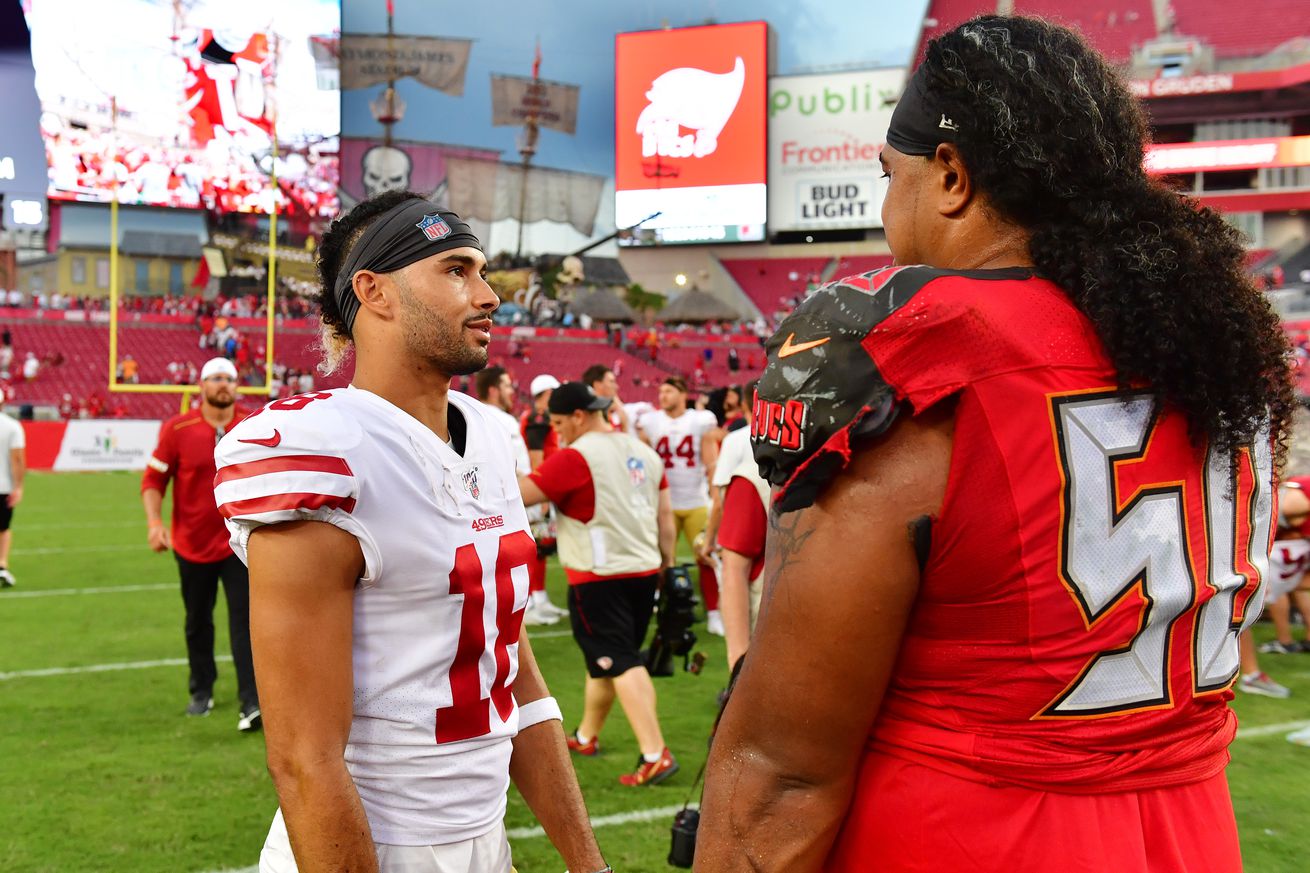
pixel 604 821
pixel 136 547
pixel 66 525
pixel 103 589
pixel 1265 730
pixel 101 668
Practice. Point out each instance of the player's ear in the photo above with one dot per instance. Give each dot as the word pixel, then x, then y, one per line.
pixel 371 289
pixel 953 183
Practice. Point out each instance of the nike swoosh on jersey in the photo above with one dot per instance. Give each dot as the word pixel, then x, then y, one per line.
pixel 788 348
pixel 269 442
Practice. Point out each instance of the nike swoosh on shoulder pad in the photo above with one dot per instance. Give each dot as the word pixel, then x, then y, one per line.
pixel 788 348
pixel 268 442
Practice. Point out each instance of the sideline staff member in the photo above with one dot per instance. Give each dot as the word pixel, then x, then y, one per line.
pixel 615 535
pixel 200 540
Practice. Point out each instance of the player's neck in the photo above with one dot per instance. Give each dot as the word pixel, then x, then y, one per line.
pixel 217 417
pixel 676 413
pixel 416 389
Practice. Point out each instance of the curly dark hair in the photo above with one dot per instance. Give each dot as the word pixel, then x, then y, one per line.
pixel 1054 140
pixel 334 248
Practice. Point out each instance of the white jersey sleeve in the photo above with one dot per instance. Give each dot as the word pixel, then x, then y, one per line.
pixel 733 453
pixel 291 461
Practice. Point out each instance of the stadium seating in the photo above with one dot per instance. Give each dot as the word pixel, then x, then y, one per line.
pixel 853 265
pixel 1252 29
pixel 82 372
pixel 769 282
pixel 1115 27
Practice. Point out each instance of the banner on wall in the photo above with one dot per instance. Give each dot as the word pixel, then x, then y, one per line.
pixel 825 133
pixel 515 99
pixel 103 444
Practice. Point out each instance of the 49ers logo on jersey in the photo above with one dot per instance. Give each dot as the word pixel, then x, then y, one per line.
pixel 481 524
pixel 782 424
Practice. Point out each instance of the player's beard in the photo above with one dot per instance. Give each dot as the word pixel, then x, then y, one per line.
pixel 220 399
pixel 433 339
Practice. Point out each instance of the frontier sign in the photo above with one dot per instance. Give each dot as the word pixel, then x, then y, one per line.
pixel 825 133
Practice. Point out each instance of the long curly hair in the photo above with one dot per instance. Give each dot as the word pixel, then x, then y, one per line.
pixel 1054 140
pixel 333 249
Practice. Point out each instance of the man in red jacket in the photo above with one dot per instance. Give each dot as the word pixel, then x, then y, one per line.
pixel 199 537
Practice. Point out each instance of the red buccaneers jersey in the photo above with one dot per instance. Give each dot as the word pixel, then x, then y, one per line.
pixel 1077 617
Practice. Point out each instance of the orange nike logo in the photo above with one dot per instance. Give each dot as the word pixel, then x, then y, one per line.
pixel 270 442
pixel 788 349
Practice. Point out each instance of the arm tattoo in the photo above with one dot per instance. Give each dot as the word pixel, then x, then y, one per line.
pixel 788 533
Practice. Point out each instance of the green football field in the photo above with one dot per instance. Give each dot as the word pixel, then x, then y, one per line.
pixel 100 770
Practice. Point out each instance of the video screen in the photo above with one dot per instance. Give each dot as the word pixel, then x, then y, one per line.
pixel 165 103
pixel 690 134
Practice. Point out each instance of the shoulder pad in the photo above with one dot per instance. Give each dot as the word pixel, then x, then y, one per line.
pixel 821 393
pixel 325 422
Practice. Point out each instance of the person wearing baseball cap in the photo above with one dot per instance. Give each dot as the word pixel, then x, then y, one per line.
pixel 199 538
pixel 616 536
pixel 542 442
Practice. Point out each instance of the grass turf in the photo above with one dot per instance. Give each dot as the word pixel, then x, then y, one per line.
pixel 100 771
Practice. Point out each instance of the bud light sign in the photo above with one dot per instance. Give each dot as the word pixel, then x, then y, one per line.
pixel 825 133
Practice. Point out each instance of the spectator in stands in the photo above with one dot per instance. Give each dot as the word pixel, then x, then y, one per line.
pixel 6 360
pixel 199 538
pixel 31 367
pixel 616 535
pixel 129 370
pixel 13 468
pixel 734 362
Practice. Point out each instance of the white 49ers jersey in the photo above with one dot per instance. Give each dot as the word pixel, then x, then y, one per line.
pixel 439 608
pixel 1288 561
pixel 678 442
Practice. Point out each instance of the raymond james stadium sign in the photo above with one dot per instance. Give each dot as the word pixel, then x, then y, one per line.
pixel 825 133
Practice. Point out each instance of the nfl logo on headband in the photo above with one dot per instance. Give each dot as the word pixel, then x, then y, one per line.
pixel 434 227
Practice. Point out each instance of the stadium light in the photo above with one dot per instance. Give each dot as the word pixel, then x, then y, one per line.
pixel 680 280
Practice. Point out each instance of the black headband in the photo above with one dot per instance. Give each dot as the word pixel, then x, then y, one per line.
pixel 918 123
pixel 403 235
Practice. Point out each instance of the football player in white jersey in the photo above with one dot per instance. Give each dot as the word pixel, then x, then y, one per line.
pixel 388 552
pixel 688 442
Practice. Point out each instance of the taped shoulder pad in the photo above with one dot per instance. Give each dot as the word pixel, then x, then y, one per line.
pixel 821 394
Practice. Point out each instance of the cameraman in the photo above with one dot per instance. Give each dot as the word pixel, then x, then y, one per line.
pixel 615 535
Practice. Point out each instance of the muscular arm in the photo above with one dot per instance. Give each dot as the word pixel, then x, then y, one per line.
pixel 157 532
pixel 531 491
pixel 1293 507
pixel 668 529
pixel 712 524
pixel 840 579
pixel 543 774
pixel 709 452
pixel 302 591
pixel 17 469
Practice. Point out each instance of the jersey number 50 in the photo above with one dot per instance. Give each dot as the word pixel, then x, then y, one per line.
pixel 1109 548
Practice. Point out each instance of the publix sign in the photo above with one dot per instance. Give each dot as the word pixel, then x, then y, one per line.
pixel 825 132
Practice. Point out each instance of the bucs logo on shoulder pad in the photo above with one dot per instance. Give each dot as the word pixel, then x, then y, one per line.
pixel 470 479
pixel 434 227
pixel 782 424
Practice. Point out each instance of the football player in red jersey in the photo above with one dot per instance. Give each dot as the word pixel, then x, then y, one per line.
pixel 1020 517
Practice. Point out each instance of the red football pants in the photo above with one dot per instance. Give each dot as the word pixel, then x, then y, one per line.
pixel 908 818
